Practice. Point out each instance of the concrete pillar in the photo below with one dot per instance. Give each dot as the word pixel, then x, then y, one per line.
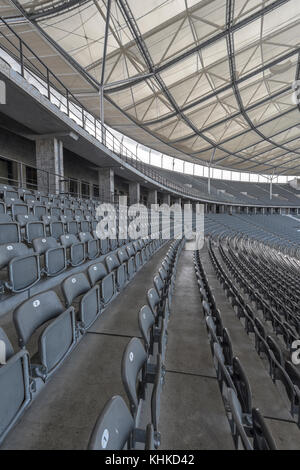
pixel 21 175
pixel 134 193
pixel 152 197
pixel 50 157
pixel 91 190
pixel 167 199
pixel 177 200
pixel 106 181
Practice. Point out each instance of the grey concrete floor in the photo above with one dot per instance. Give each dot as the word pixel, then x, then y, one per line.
pixel 64 413
pixel 192 412
pixel 265 394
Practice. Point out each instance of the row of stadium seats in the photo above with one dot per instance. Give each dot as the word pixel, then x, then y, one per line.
pixel 283 322
pixel 247 424
pixel 118 426
pixel 53 326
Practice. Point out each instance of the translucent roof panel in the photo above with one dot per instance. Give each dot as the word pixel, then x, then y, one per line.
pixel 200 77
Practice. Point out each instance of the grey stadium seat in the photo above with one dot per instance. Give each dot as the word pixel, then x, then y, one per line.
pixel 76 249
pixel 77 287
pixel 114 429
pixel 56 340
pixel 24 219
pixel 98 273
pixel 130 263
pixel 92 246
pixel 120 270
pixel 9 233
pixel 34 230
pixel 57 229
pixel 55 260
pixel 134 363
pixel 14 386
pixel 23 266
pixel 5 218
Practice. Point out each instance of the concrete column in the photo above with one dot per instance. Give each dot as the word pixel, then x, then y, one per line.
pixel 106 181
pixel 21 175
pixel 134 193
pixel 50 157
pixel 91 190
pixel 177 200
pixel 167 199
pixel 152 197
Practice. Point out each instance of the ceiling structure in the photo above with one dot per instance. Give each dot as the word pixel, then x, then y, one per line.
pixel 208 81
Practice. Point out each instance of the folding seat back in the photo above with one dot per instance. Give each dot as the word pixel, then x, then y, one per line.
pixel 19 209
pixel 112 262
pixel 5 218
pixel 68 213
pixel 57 229
pixel 42 244
pixel 24 272
pixel 239 434
pixel 92 244
pixel 124 258
pixel 34 230
pixel 104 245
pixel 73 227
pixel 55 211
pixel 29 199
pixel 146 323
pixel 275 348
pixel 133 369
pixel 14 386
pixel 113 428
pixel 65 219
pixel 48 219
pixel 153 301
pixel 262 437
pixel 76 249
pixel 39 211
pixel 122 255
pixel 212 333
pixel 155 400
pixel 56 340
pixel 159 285
pixel 113 265
pixel 34 312
pixel 10 251
pixel 11 196
pixel 227 348
pixel 223 375
pixel 97 272
pixel 85 226
pixel 242 386
pixel 74 286
pixel 25 219
pixel 130 250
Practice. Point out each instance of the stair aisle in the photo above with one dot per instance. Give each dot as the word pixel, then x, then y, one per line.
pixel 192 414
